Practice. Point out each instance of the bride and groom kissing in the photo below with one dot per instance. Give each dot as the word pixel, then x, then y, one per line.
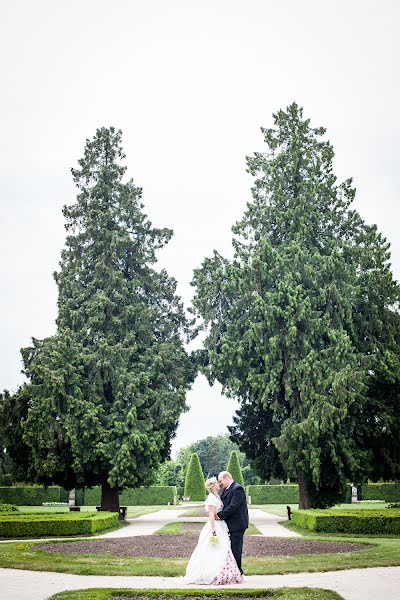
pixel 217 558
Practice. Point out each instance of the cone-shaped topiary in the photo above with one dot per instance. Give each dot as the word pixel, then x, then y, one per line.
pixel 194 481
pixel 234 468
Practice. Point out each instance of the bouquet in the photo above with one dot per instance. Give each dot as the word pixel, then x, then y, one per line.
pixel 214 539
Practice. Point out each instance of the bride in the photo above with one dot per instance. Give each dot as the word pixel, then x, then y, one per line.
pixel 212 561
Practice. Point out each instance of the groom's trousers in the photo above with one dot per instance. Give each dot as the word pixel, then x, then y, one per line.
pixel 237 546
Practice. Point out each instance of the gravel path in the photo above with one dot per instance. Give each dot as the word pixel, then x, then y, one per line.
pixel 355 584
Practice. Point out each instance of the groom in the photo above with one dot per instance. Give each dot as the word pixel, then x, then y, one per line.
pixel 234 513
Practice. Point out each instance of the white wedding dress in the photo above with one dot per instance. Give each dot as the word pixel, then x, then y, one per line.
pixel 213 563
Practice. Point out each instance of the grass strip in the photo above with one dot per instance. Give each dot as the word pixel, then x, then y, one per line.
pixel 133 511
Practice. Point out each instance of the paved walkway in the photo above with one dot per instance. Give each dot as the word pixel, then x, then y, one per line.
pixel 269 525
pixel 146 524
pixel 355 584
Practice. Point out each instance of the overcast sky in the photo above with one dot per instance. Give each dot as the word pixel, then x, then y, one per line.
pixel 189 83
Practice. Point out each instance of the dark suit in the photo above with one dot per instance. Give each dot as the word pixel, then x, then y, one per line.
pixel 236 516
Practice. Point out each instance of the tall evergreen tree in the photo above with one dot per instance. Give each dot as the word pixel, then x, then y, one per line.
pixel 106 391
pixel 5 461
pixel 280 316
pixel 13 413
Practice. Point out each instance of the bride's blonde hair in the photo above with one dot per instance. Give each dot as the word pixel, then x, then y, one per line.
pixel 210 483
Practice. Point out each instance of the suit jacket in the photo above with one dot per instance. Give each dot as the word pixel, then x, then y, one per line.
pixel 235 512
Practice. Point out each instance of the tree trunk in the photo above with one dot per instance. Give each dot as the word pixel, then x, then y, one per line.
pixel 304 498
pixel 109 498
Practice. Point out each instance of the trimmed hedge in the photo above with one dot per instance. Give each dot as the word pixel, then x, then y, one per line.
pixel 373 521
pixel 273 494
pixel 150 496
pixel 92 496
pixel 7 508
pixel 61 524
pixel 194 482
pixel 29 495
pixel 6 479
pixel 35 495
pixel 388 492
pixel 156 494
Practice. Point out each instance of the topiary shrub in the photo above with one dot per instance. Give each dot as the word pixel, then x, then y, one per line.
pixel 234 468
pixel 53 524
pixel 349 521
pixel 194 481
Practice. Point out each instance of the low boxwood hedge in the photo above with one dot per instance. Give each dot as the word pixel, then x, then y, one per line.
pixel 55 524
pixel 385 521
pixel 7 508
pixel 273 494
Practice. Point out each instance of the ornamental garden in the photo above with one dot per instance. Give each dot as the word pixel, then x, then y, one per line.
pixel 301 326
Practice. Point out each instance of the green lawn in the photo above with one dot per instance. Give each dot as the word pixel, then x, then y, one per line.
pixel 178 527
pixel 133 511
pixel 382 552
pixel 361 505
pixel 280 594
pixel 275 509
pixel 280 509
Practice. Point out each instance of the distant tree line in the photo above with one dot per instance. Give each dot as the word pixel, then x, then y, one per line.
pixel 213 453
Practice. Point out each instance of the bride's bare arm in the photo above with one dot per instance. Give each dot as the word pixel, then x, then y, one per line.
pixel 211 514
